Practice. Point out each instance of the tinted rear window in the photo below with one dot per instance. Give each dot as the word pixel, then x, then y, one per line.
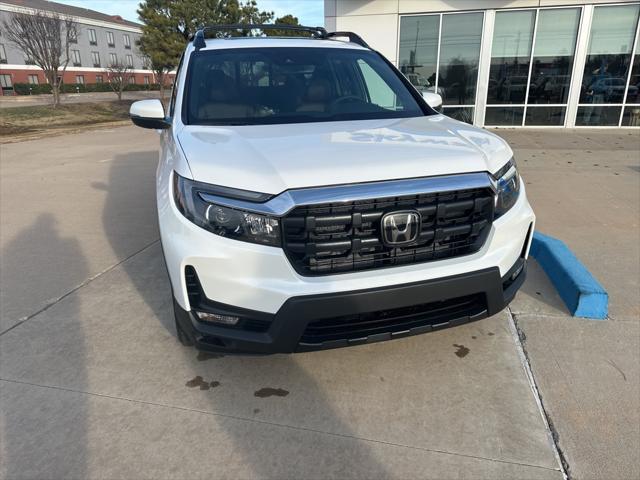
pixel 253 86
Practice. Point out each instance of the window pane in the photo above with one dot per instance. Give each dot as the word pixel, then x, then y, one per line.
pixel 225 86
pixel 459 56
pixel 5 81
pixel 503 116
pixel 419 49
pixel 378 90
pixel 553 55
pixel 633 94
pixel 510 56
pixel 464 114
pixel 631 117
pixel 595 115
pixel 609 54
pixel 545 116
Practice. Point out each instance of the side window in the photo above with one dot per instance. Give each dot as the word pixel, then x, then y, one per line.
pixel 176 84
pixel 379 91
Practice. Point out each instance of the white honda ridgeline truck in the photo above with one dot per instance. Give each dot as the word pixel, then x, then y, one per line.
pixel 309 197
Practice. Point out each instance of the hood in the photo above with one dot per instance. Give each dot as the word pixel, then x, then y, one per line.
pixel 275 158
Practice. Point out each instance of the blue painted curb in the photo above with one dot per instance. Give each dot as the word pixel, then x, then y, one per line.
pixel 582 293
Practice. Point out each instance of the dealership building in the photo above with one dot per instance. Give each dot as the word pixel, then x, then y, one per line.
pixel 102 40
pixel 511 63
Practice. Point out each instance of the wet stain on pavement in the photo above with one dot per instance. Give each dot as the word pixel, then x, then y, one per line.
pixel 473 337
pixel 202 356
pixel 270 392
pixel 256 411
pixel 198 381
pixel 491 334
pixel 461 351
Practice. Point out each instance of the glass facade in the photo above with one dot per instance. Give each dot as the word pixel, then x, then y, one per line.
pixel 555 66
pixel 532 59
pixel 608 66
pixel 510 59
pixel 459 58
pixel 442 53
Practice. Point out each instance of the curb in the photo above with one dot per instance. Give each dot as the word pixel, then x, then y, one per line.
pixel 579 290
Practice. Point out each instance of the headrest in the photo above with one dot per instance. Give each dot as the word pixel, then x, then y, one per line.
pixel 221 86
pixel 319 90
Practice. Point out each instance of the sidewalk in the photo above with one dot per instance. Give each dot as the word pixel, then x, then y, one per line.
pixel 585 188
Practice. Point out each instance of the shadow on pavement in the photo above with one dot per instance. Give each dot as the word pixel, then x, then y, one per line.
pixel 538 290
pixel 266 374
pixel 37 437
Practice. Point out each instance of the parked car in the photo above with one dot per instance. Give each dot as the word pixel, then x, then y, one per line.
pixel 423 85
pixel 309 197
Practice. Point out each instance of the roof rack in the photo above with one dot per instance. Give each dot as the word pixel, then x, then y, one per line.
pixel 353 38
pixel 316 32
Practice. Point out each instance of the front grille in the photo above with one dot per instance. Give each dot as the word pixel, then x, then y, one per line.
pixel 389 323
pixel 344 237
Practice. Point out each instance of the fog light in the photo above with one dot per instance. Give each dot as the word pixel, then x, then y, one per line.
pixel 215 318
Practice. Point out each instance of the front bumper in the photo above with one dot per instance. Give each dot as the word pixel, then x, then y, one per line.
pixel 261 278
pixel 342 319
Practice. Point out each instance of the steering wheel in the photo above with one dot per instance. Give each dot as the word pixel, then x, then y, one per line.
pixel 345 99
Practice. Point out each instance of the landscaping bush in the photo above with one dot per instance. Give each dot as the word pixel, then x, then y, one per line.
pixel 23 89
pixel 45 88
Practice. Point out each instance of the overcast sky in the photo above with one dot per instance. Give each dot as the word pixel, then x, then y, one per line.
pixel 309 12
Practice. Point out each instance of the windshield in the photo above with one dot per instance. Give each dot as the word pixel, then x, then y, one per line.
pixel 255 86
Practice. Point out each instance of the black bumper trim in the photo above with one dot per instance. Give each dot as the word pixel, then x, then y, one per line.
pixel 289 323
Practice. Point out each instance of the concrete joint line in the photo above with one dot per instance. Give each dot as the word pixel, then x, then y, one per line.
pixel 519 338
pixel 278 425
pixel 54 301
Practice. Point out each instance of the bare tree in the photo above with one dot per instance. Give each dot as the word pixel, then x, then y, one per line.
pixel 161 75
pixel 159 72
pixel 44 38
pixel 118 75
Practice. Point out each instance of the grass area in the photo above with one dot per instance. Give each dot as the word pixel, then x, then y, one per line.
pixel 32 120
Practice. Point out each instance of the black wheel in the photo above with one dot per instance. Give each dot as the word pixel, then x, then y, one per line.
pixel 184 337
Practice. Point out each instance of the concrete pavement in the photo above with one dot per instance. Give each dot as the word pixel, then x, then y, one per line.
pixel 585 188
pixel 93 382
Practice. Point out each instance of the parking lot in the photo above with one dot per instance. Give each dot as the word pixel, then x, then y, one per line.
pixel 93 382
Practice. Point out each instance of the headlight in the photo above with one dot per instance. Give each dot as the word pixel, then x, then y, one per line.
pixel 222 220
pixel 508 185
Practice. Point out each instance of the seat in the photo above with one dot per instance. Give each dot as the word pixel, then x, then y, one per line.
pixel 223 99
pixel 318 95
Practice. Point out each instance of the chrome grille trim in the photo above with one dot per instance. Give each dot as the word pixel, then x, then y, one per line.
pixel 283 203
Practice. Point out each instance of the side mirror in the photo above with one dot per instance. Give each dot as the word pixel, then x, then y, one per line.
pixel 433 99
pixel 148 114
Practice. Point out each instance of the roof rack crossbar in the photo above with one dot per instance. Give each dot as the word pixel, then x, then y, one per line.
pixel 198 39
pixel 316 32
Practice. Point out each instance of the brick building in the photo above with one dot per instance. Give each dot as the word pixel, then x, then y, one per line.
pixel 102 40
